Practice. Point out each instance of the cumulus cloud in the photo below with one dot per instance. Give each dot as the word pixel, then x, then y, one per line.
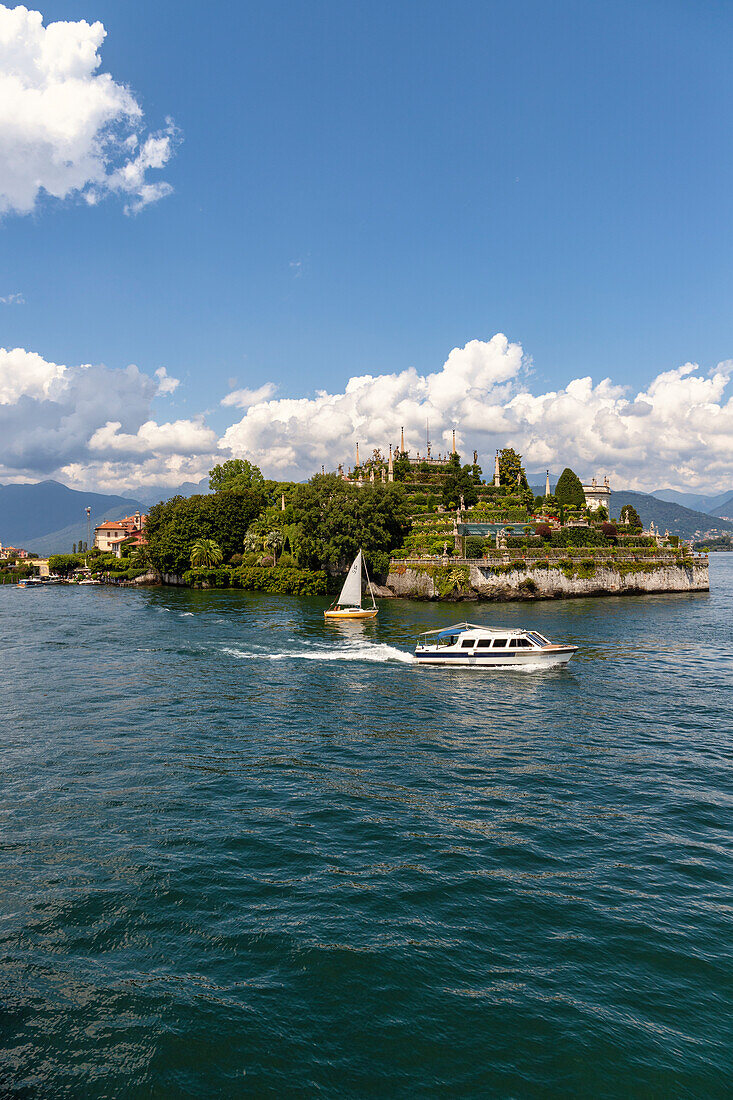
pixel 179 437
pixel 242 399
pixel 678 431
pixel 94 427
pixel 66 128
pixel 12 300
pixel 166 384
pixel 87 423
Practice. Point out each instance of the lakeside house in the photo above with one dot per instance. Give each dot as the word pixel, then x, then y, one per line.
pixel 129 532
pixel 12 552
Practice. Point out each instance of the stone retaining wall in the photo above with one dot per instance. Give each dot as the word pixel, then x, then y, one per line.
pixel 478 581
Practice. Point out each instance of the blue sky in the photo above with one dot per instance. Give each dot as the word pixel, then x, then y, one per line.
pixel 359 188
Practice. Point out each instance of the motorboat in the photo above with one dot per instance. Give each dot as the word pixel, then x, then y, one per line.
pixel 89 580
pixel 348 605
pixel 30 582
pixel 470 646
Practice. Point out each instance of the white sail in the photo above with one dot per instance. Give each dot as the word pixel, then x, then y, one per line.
pixel 351 592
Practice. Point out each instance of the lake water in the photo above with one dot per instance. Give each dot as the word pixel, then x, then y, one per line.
pixel 248 854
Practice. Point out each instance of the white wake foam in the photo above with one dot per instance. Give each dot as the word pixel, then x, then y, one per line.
pixel 379 653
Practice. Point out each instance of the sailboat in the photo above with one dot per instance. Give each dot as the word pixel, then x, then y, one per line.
pixel 348 605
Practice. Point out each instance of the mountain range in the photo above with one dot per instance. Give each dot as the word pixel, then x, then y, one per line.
pixel 47 517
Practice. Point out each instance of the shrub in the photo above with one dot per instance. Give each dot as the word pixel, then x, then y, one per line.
pixel 569 489
pixel 474 546
pixel 543 531
pixel 610 531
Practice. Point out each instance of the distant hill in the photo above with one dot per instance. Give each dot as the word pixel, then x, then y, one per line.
pixel 700 502
pixel 725 509
pixel 48 516
pixel 153 494
pixel 685 522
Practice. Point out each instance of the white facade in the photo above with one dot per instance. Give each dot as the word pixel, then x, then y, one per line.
pixel 597 494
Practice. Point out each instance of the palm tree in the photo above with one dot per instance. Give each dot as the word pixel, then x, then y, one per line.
pixel 205 553
pixel 251 542
pixel 273 541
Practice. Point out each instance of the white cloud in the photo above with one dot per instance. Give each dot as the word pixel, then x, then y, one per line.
pixel 25 374
pixel 94 426
pixel 166 384
pixel 66 128
pixel 13 300
pixel 678 431
pixel 93 423
pixel 180 437
pixel 242 399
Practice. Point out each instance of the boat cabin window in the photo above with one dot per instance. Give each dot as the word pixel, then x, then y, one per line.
pixel 523 643
pixel 483 643
pixel 498 642
pixel 468 643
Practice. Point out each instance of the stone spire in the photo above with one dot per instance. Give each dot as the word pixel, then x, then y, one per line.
pixel 357 455
pixel 402 440
pixel 390 466
pixel 454 442
pixel 497 475
pixel 547 484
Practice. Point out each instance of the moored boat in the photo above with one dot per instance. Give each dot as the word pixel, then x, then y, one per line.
pixel 348 605
pixel 466 645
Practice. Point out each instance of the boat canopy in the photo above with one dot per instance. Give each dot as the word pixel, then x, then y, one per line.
pixel 444 631
pixel 460 628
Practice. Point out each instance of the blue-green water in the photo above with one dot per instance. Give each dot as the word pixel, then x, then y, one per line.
pixel 247 854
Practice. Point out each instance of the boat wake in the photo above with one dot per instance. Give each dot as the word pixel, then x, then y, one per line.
pixel 379 653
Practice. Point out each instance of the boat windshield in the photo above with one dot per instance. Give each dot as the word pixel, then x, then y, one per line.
pixel 537 639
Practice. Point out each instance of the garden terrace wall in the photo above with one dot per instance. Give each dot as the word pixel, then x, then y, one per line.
pixel 547 576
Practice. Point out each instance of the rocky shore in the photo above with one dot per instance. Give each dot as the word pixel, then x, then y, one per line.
pixel 461 579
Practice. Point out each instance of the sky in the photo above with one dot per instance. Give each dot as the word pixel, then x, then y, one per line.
pixel 271 230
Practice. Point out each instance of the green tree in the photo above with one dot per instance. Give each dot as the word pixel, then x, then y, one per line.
pixel 174 526
pixel 511 470
pixel 205 553
pixel 236 475
pixel 458 482
pixel 631 517
pixel 569 490
pixel 63 565
pixel 401 466
pixel 273 541
pixel 474 546
pixel 335 519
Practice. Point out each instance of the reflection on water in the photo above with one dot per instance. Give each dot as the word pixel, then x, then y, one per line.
pixel 247 851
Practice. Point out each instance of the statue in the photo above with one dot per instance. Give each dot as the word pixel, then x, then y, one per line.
pixel 445 549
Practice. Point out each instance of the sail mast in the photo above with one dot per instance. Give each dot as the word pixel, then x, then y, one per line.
pixel 369 583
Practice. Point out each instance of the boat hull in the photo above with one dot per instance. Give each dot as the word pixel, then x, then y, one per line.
pixel 538 658
pixel 368 613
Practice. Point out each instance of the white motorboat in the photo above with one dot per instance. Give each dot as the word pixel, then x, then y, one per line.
pixel 466 645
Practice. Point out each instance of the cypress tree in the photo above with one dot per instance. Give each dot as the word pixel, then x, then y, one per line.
pixel 569 490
